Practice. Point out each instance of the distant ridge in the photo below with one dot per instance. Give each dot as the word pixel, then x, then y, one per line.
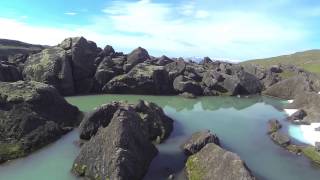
pixel 11 47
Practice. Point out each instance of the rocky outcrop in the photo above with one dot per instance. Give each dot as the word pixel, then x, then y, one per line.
pixel 69 66
pixel 100 117
pixel 155 124
pixel 309 104
pixel 137 56
pixel 273 126
pixel 32 115
pixel 82 54
pixel 280 138
pixel 198 140
pixel 289 88
pixel 142 79
pixel 9 72
pixel 51 66
pixel 213 162
pixel 119 151
pixel 183 84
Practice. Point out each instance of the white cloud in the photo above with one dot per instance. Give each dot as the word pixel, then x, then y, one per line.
pixel 175 30
pixel 70 13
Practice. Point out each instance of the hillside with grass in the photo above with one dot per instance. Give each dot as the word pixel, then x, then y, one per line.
pixel 308 60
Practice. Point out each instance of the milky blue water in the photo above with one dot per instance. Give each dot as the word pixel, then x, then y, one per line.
pixel 240 123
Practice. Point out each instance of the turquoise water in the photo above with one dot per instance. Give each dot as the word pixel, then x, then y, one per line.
pixel 240 123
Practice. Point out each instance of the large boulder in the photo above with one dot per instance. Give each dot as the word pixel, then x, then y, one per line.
pixel 119 151
pixel 183 84
pixel 83 54
pixel 175 69
pixel 289 88
pixel 9 72
pixel 108 69
pixel 309 102
pixel 198 140
pixel 142 79
pixel 214 163
pixel 100 117
pixel 51 66
pixel 32 115
pixel 138 55
pixel 155 124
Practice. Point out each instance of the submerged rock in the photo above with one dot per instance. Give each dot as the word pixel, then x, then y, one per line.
pixel 280 138
pixel 273 126
pixel 214 163
pixel 119 151
pixel 32 115
pixel 198 140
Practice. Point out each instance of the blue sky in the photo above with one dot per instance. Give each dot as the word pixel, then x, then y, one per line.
pixel 224 29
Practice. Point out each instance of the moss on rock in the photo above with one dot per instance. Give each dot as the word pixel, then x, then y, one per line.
pixel 311 153
pixel 194 169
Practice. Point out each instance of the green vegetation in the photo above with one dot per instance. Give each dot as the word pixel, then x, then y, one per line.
pixel 193 169
pixel 287 74
pixel 11 151
pixel 308 60
pixel 312 154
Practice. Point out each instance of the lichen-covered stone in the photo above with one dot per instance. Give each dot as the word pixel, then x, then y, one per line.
pixel 32 115
pixel 214 163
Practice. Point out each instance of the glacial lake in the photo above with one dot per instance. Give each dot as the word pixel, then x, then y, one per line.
pixel 240 123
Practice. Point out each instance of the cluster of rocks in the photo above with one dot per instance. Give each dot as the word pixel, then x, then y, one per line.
pixel 120 140
pixel 78 66
pixel 32 115
pixel 207 160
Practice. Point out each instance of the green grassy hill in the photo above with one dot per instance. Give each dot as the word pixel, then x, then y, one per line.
pixel 308 60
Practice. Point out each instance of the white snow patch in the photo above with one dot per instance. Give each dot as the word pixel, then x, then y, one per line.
pixel 290 101
pixel 289 112
pixel 305 133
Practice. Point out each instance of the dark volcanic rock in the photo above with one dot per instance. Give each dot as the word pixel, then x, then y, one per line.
pixel 213 162
pixel 288 88
pixel 155 124
pixel 299 115
pixel 32 115
pixel 280 138
pixel 51 66
pixel 142 79
pixel 100 117
pixel 198 140
pixel 119 151
pixel 184 84
pixel 310 103
pixel 9 72
pixel 137 56
pixel 175 69
pixel 83 54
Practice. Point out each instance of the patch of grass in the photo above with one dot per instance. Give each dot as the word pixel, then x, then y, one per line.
pixel 193 169
pixel 308 60
pixel 287 74
pixel 312 154
pixel 11 151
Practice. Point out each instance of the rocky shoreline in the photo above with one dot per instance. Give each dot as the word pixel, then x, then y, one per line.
pixel 33 112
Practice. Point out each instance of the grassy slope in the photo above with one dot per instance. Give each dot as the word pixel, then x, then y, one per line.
pixel 308 60
pixel 10 47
